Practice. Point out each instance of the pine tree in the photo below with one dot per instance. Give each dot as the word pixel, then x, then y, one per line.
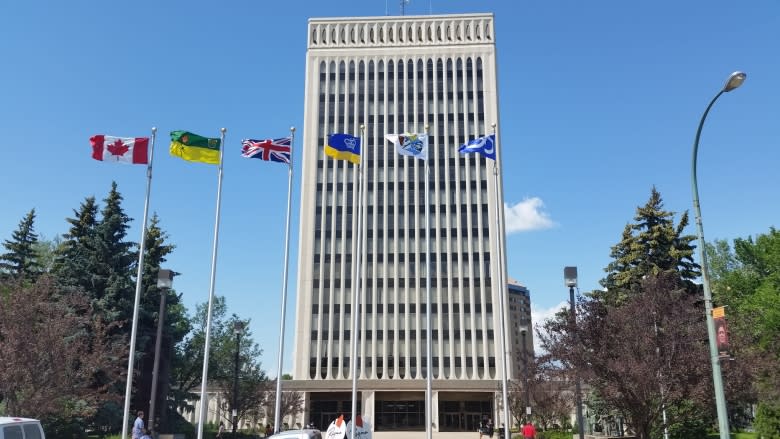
pixel 650 246
pixel 72 257
pixel 113 262
pixel 22 258
pixel 175 323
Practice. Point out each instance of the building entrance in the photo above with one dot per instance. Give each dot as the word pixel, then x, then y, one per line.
pixel 465 413
pixel 326 407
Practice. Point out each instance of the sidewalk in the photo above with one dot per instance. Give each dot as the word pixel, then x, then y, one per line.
pixel 422 435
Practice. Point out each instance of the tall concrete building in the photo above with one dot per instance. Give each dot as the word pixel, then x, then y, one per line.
pixel 521 334
pixel 395 75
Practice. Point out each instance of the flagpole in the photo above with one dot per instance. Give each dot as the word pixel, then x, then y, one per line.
pixel 356 286
pixel 501 293
pixel 138 283
pixel 204 377
pixel 429 325
pixel 283 311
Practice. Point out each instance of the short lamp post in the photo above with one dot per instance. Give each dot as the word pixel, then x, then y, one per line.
pixel 164 283
pixel 735 80
pixel 523 331
pixel 238 329
pixel 570 279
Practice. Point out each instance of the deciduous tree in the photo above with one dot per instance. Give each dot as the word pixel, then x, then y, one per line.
pixel 53 368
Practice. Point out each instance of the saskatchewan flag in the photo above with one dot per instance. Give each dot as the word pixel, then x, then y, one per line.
pixel 194 148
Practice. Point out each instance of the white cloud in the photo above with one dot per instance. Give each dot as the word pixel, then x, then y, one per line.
pixel 527 215
pixel 539 315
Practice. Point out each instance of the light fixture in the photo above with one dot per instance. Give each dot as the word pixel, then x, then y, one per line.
pixel 735 80
pixel 570 276
pixel 164 279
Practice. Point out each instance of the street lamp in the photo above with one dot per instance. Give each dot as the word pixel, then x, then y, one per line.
pixel 164 283
pixel 238 329
pixel 735 80
pixel 523 330
pixel 570 279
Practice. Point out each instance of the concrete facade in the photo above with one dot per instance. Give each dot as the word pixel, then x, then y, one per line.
pixel 395 75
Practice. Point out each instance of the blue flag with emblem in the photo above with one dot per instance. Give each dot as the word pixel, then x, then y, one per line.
pixel 343 147
pixel 485 145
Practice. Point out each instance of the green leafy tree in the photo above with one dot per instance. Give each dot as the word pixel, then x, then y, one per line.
pixel 46 251
pixel 746 279
pixel 188 362
pixel 22 257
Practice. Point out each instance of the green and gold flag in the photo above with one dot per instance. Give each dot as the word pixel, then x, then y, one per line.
pixel 194 148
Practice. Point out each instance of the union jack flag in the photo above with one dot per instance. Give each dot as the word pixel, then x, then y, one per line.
pixel 274 150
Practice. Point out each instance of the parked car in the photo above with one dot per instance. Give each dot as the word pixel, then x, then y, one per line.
pixel 20 428
pixel 307 433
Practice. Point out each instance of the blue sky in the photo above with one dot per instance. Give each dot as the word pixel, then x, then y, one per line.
pixel 599 101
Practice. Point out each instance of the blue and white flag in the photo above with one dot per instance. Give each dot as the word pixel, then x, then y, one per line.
pixel 415 145
pixel 485 145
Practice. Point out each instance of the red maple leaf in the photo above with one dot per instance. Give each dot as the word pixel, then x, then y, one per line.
pixel 117 148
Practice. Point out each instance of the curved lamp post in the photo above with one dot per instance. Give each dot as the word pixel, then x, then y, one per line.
pixel 735 80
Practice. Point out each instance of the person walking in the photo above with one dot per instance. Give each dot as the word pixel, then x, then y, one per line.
pixel 138 425
pixel 529 432
pixel 483 427
pixel 220 430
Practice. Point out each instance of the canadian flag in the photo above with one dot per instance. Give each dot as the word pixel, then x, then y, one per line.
pixel 120 149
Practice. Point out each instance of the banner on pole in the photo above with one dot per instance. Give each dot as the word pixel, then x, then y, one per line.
pixel 721 331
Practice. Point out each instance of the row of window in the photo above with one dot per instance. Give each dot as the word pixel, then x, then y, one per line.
pixel 326 282
pixel 410 361
pixel 329 70
pixel 401 257
pixel 389 334
pixel 402 308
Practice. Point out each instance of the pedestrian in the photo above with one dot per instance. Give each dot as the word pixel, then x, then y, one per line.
pixel 483 427
pixel 490 428
pixel 220 430
pixel 138 425
pixel 529 432
pixel 268 430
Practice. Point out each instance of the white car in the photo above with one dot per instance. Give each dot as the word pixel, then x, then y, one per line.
pixel 296 434
pixel 20 428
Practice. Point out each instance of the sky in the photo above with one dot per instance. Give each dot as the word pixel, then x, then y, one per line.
pixel 599 101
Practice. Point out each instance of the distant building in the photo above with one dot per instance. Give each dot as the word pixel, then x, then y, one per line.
pixel 521 342
pixel 396 75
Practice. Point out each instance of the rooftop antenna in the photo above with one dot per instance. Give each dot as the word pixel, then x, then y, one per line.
pixel 403 3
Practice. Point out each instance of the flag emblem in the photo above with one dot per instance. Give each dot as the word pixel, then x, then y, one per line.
pixel 120 149
pixel 415 145
pixel 485 145
pixel 195 148
pixel 343 147
pixel 274 150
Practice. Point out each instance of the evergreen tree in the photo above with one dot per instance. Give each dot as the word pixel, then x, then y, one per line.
pixel 113 262
pixel 22 258
pixel 175 326
pixel 72 257
pixel 650 246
